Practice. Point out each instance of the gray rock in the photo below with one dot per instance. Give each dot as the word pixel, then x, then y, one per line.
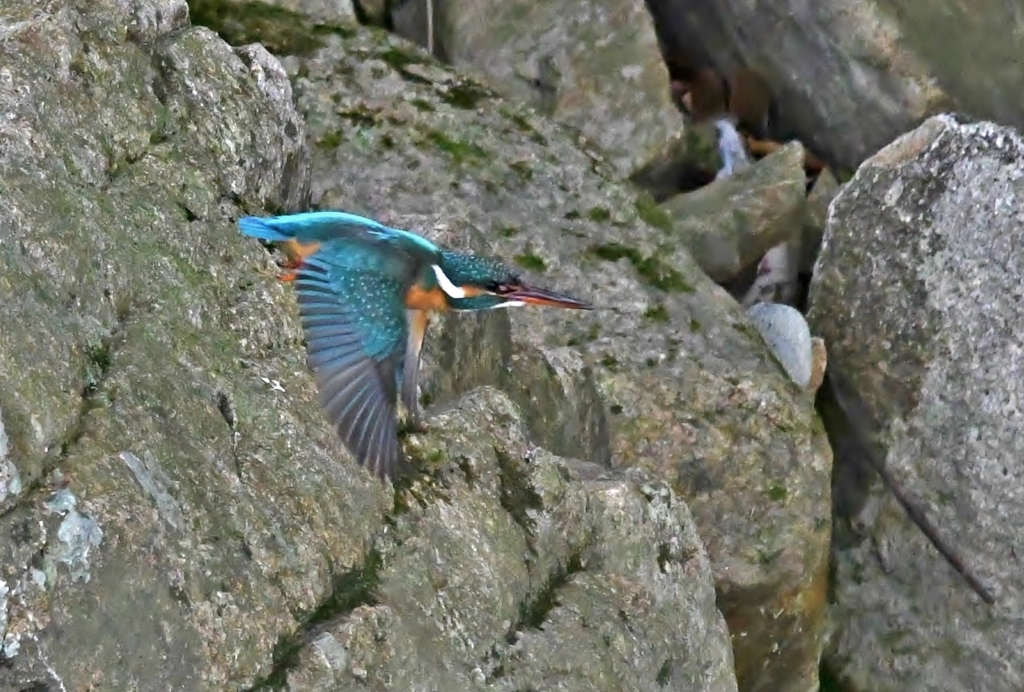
pixel 595 579
pixel 593 65
pixel 918 293
pixel 818 201
pixel 320 11
pixel 128 317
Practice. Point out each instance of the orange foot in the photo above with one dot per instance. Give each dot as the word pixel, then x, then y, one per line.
pixel 292 264
pixel 280 276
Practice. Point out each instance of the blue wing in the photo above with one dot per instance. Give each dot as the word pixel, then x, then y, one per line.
pixel 324 226
pixel 356 334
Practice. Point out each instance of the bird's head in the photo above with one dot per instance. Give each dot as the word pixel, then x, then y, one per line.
pixel 471 282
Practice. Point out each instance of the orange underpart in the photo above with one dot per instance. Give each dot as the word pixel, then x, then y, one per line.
pixel 298 252
pixel 287 276
pixel 419 298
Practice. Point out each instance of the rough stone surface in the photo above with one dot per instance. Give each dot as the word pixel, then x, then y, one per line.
pixel 593 579
pixel 918 294
pixel 667 374
pixel 131 327
pixel 593 64
pixel 816 216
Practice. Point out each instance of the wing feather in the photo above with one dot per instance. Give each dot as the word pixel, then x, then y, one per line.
pixel 354 355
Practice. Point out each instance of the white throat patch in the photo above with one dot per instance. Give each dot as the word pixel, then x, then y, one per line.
pixel 446 284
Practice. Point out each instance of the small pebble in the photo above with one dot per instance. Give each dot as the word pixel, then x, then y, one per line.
pixel 786 332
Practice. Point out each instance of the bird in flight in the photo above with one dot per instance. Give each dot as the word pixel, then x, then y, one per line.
pixel 365 292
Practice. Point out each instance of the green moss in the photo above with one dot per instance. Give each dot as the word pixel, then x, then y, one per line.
pixel 531 262
pixel 662 276
pixel 522 170
pixel 350 590
pixel 651 269
pixel 400 58
pixel 609 361
pixel 330 140
pixel 652 214
pixel 777 493
pixel 467 95
pixel 282 31
pixel 509 232
pixel 599 214
pixel 613 252
pixel 532 614
pixel 360 117
pixel 525 126
pixel 422 105
pixel 458 150
pixel 664 673
pixel 573 215
pixel 658 313
pixel 695 326
pixel 97 365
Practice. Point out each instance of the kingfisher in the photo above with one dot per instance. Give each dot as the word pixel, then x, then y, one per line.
pixel 365 292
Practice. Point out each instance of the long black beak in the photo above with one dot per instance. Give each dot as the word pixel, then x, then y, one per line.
pixel 541 296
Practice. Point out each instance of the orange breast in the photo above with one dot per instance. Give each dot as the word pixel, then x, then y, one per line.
pixel 297 251
pixel 426 299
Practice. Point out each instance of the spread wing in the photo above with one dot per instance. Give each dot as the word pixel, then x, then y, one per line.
pixel 356 335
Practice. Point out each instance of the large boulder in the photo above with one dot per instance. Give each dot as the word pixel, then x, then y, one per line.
pixel 918 293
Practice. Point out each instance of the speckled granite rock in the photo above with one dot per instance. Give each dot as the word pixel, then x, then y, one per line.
pixel 918 293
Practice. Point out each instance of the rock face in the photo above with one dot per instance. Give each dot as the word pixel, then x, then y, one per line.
pixel 591 578
pixel 593 64
pixel 669 374
pixel 918 293
pixel 177 513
